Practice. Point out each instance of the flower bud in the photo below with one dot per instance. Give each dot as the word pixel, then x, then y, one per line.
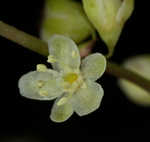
pixel 108 17
pixel 140 65
pixel 65 17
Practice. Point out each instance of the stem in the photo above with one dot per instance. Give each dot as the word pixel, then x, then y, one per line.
pixel 121 72
pixel 23 39
pixel 41 47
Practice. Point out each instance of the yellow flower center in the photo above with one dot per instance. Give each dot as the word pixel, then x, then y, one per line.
pixel 72 82
pixel 70 78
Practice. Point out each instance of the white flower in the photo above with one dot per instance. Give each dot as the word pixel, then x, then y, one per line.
pixel 72 85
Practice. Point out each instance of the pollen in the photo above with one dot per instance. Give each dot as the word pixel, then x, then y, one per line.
pixel 70 78
pixel 41 68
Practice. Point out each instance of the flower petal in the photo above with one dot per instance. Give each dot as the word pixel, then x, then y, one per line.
pixel 40 85
pixel 65 52
pixel 93 66
pixel 125 10
pixel 62 110
pixel 88 98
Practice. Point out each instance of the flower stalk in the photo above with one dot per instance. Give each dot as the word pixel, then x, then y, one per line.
pixel 121 72
pixel 23 39
pixel 30 42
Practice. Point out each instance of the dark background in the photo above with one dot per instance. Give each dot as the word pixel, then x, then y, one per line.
pixel 27 120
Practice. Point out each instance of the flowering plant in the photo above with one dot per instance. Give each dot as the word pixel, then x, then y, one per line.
pixel 67 27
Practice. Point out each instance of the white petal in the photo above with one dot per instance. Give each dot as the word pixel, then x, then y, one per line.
pixel 40 85
pixel 65 52
pixel 93 66
pixel 87 99
pixel 61 110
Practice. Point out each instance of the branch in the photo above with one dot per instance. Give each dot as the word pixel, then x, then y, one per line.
pixel 39 46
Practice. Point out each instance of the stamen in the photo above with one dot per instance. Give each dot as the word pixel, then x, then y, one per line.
pixel 51 59
pixel 41 68
pixel 62 101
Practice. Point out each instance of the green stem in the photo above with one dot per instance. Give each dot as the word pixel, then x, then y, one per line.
pixel 23 39
pixel 39 46
pixel 121 72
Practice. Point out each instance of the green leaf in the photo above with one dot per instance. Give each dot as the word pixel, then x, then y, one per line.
pixel 88 98
pixel 41 85
pixel 93 66
pixel 65 52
